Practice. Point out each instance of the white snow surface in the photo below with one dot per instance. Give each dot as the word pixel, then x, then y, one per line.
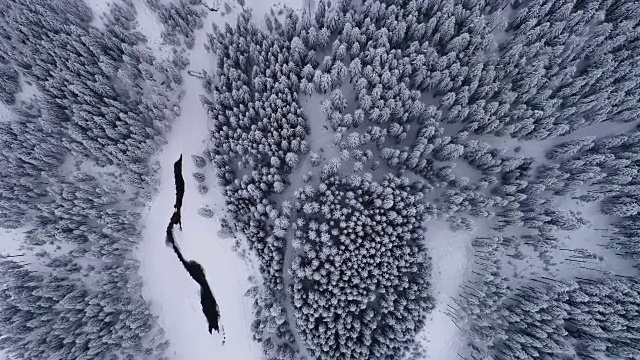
pixel 27 92
pixel 174 295
pixel 99 9
pixel 259 8
pixel 451 253
pixel 10 241
pixel 5 112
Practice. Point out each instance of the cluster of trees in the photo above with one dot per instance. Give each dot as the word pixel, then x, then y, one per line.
pixel 9 84
pixel 182 18
pixel 392 60
pixel 95 306
pixel 584 319
pixel 360 287
pixel 482 296
pixel 534 90
pixel 258 134
pixel 100 98
pixel 54 316
pixel 544 318
pixel 409 86
pixel 271 326
pixel 608 168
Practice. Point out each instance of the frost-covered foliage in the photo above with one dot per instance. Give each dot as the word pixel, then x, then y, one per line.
pixel 206 212
pixel 481 298
pixel 545 317
pixel 270 125
pixel 58 317
pixel 198 161
pixel 609 167
pixel 96 86
pixel 77 296
pixel 360 288
pixel 182 18
pixel 397 65
pixel 585 319
pixel 258 125
pixel 412 88
pixel 409 90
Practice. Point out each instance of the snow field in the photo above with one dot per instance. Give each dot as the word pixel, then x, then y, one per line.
pixel 173 294
pixel 99 8
pixel 451 254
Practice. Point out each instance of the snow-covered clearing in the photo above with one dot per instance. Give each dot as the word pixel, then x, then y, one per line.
pixel 99 9
pixel 174 296
pixel 5 112
pixel 451 253
pixel 322 137
pixel 538 148
pixel 27 91
pixel 259 8
pixel 12 246
pixel 151 28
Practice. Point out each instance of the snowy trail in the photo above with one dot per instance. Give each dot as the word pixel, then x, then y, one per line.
pixel 174 296
pixel 451 256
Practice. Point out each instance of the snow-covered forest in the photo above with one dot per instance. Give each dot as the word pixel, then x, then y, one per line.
pixel 389 179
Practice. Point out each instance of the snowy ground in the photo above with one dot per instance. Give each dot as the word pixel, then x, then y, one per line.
pixel 151 28
pixel 10 241
pixel 99 8
pixel 27 92
pixel 451 253
pixel 174 295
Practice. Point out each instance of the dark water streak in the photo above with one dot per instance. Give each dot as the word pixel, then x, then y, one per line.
pixel 179 181
pixel 195 270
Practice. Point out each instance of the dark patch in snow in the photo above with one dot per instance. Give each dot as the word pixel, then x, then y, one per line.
pixel 195 270
pixel 179 181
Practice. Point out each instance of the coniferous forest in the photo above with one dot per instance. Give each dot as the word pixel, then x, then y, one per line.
pixel 401 179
